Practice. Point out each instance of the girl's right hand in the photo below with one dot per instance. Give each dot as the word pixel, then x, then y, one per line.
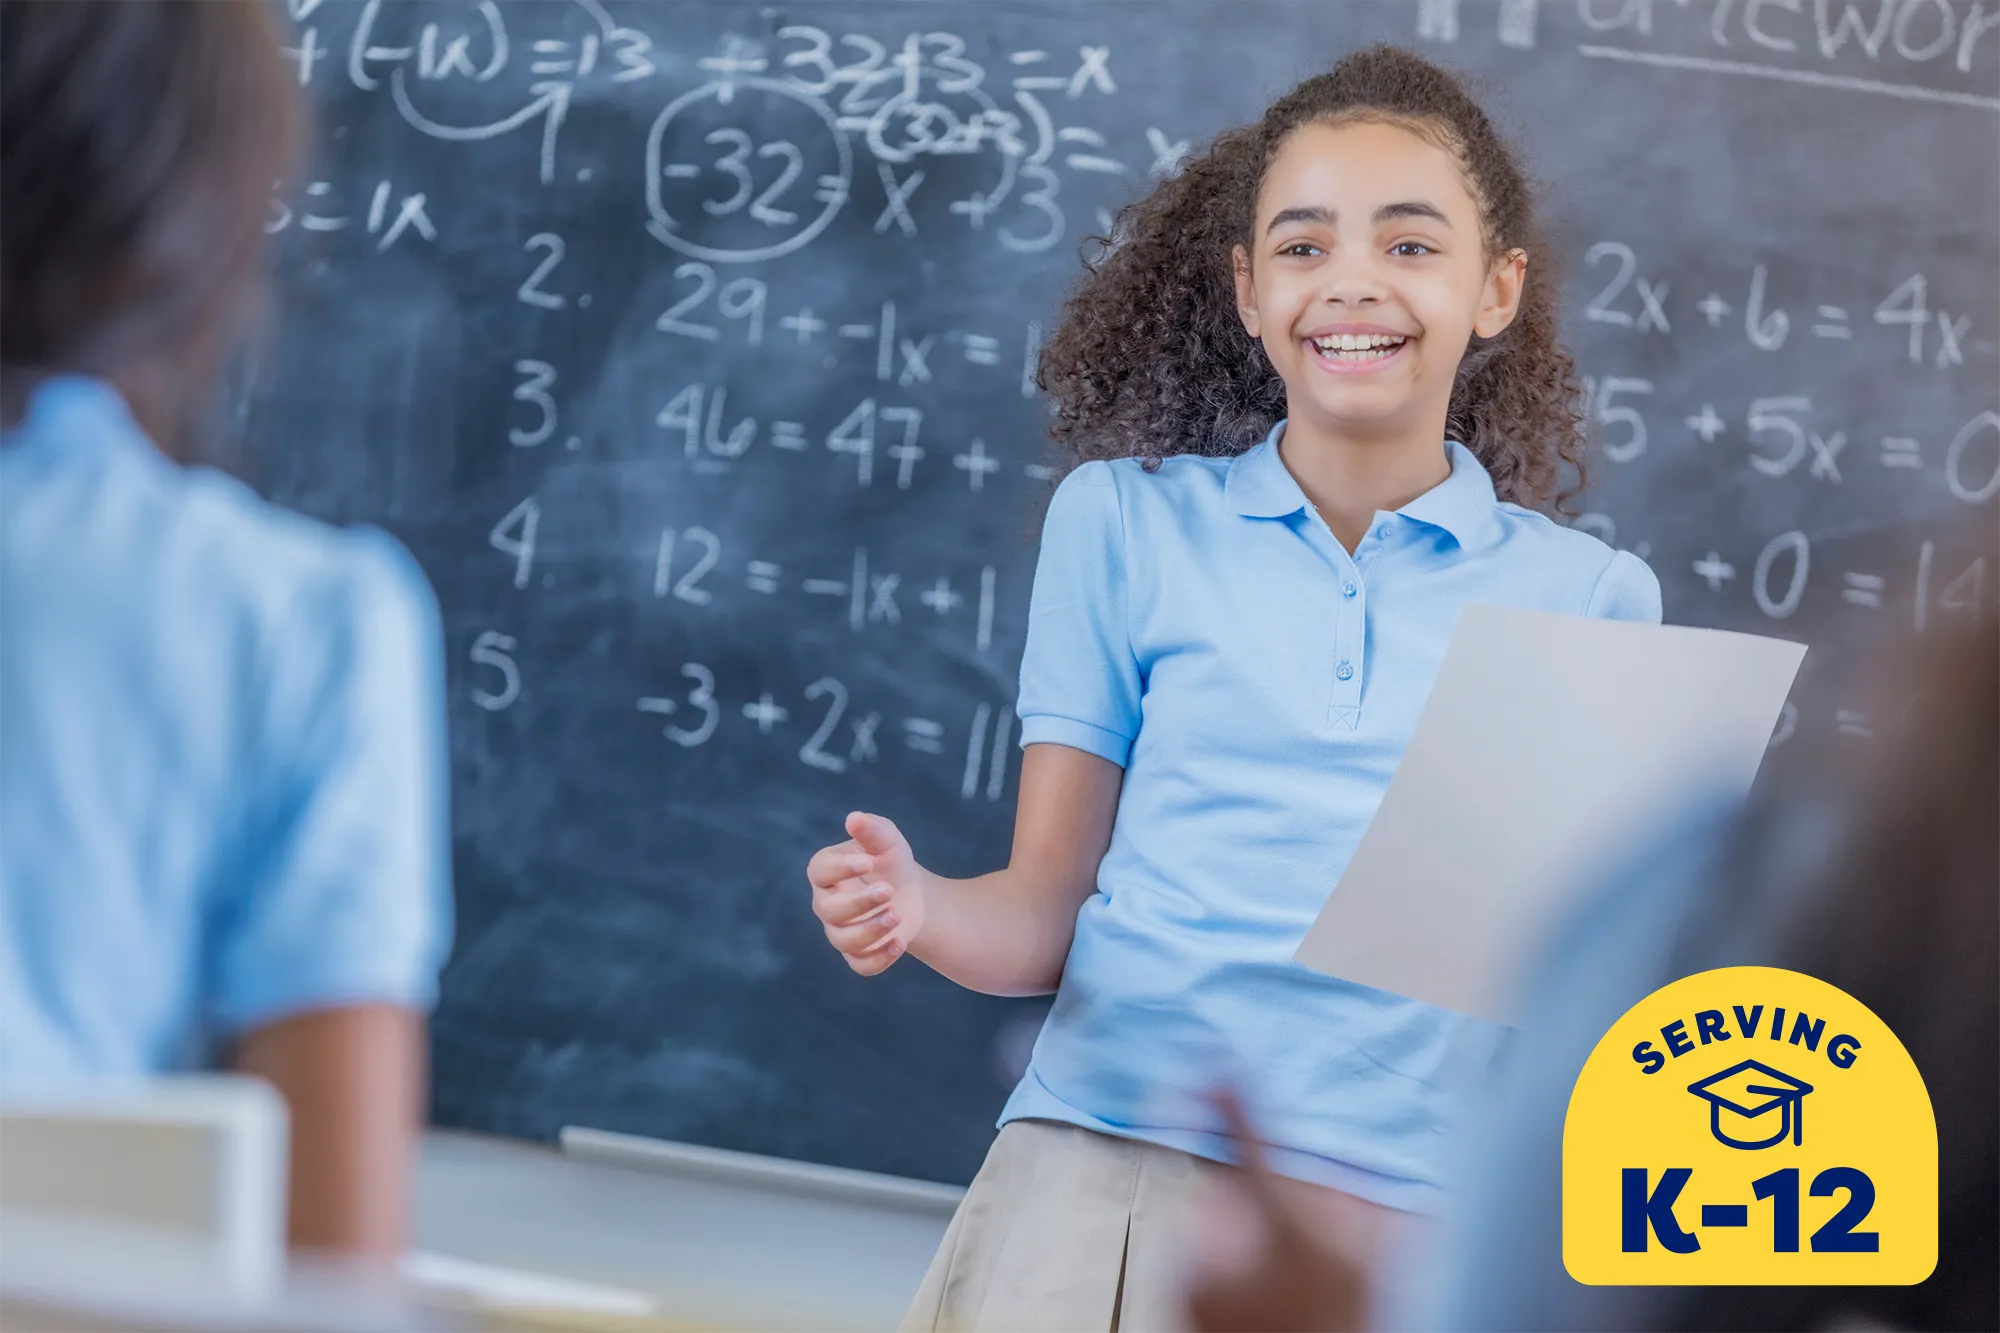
pixel 868 892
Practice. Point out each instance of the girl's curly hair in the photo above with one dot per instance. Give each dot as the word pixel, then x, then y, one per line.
pixel 1151 359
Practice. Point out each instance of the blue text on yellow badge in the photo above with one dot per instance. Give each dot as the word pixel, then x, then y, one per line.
pixel 1749 1126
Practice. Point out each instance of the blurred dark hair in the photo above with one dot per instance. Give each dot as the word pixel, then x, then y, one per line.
pixel 139 145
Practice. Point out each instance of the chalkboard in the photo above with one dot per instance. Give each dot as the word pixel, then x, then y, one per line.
pixel 690 348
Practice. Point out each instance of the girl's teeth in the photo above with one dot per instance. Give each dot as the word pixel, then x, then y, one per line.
pixel 1344 345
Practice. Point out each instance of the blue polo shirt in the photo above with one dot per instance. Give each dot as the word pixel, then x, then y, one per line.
pixel 223 781
pixel 1201 627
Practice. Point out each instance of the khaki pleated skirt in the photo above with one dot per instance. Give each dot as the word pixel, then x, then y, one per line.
pixel 1064 1230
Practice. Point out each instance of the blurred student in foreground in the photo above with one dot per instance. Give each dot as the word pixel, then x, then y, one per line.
pixel 223 838
pixel 1879 873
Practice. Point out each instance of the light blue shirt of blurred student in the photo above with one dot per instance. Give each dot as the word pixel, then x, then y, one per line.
pixel 1202 628
pixel 222 756
pixel 1691 897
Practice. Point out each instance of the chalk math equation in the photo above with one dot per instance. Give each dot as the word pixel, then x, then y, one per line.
pixel 752 151
pixel 749 165
pixel 1785 436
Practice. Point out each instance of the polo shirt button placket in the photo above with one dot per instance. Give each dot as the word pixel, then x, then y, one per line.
pixel 1344 709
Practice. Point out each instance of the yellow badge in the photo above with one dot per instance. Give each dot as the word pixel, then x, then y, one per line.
pixel 1750 1126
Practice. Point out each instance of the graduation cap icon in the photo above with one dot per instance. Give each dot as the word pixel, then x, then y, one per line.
pixel 1748 1091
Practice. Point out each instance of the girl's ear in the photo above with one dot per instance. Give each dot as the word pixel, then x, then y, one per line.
pixel 1501 300
pixel 1246 292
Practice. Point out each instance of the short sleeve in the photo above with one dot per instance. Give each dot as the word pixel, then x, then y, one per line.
pixel 1080 681
pixel 341 891
pixel 1626 590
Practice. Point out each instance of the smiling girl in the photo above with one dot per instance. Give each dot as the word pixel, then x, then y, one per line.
pixel 1317 402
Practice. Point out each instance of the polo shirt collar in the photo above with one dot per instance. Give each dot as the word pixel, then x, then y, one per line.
pixel 1462 504
pixel 1259 485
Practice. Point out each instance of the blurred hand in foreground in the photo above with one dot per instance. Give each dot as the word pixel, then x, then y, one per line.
pixel 1271 1254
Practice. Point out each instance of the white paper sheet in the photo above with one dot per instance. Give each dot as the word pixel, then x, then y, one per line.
pixel 1549 745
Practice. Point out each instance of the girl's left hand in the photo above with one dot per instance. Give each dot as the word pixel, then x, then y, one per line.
pixel 1266 1254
